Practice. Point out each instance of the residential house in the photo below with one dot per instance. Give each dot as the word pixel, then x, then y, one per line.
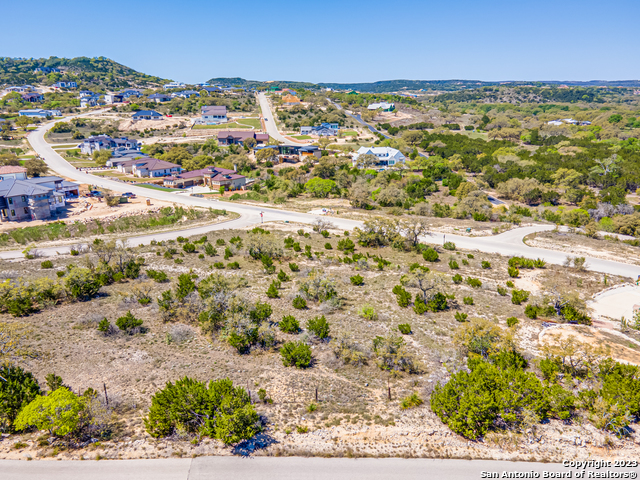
pixel 10 171
pixel 237 137
pixel 86 93
pixel 91 101
pixel 323 130
pixel 212 176
pixel 40 113
pixel 33 199
pixel 384 106
pixel 288 91
pixel 21 89
pixel 172 85
pixel 205 84
pixel 149 167
pixel 292 153
pixel 213 115
pixel 33 97
pixel 65 85
pixel 121 155
pixel 212 89
pixel 387 156
pixel 290 100
pixel 111 98
pixel 46 70
pixel 105 142
pixel 146 115
pixel 159 98
pixel 131 92
pixel 185 94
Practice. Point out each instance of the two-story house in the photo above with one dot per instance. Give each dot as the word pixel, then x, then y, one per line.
pixel 387 157
pixel 104 142
pixel 213 115
pixel 149 167
pixel 323 130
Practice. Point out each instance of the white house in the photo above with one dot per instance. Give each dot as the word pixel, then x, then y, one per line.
pixel 172 85
pixel 65 85
pixel 384 106
pixel 213 115
pixel 387 156
pixel 149 167
pixel 40 113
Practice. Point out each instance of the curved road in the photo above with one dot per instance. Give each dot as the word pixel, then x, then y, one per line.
pixel 269 121
pixel 508 243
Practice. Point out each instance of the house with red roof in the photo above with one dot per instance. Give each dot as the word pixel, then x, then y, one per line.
pixel 149 167
pixel 214 177
pixel 13 171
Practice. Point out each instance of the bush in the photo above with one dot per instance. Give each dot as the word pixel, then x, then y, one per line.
pixel 299 303
pixel 462 317
pixel 296 354
pixel 512 321
pixel 485 264
pixel 82 284
pixel 210 250
pixel 294 267
pixel 319 327
pixel 283 277
pixel 513 272
pixel 233 266
pixel 189 247
pixel 531 311
pixel 289 324
pixel 267 264
pixel 328 246
pixel 59 412
pixel 272 291
pixel 430 255
pixel 502 291
pixel 402 296
pixel 46 264
pixel 128 323
pixel 220 242
pixel 368 312
pixel 449 246
pixel 218 410
pixel 218 265
pixel 158 276
pixel 468 300
pixel 457 279
pixel 404 328
pixel 410 401
pixel 510 284
pixel 539 263
pixel 17 389
pixel 346 245
pixel 357 280
pixel 453 265
pixel 519 296
pixel 474 282
pixel 393 355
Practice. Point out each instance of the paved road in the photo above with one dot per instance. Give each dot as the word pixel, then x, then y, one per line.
pixel 508 243
pixel 269 121
pixel 271 468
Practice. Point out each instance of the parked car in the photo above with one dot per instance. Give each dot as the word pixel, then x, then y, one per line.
pixel 129 195
pixel 169 115
pixel 95 193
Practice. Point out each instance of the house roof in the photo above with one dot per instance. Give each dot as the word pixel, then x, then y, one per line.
pixel 159 95
pixel 214 110
pixel 262 136
pixel 208 171
pixel 5 169
pixel 229 176
pixel 45 179
pixel 14 188
pixel 149 164
pixel 146 113
pixel 236 134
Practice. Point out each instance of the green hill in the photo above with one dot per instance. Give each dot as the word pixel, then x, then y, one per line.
pixel 97 73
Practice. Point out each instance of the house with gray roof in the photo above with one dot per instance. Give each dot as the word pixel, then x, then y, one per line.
pixel 323 130
pixel 33 97
pixel 159 98
pixel 65 85
pixel 149 167
pixel 104 142
pixel 40 113
pixel 146 115
pixel 33 199
pixel 214 177
pixel 213 115
pixel 237 137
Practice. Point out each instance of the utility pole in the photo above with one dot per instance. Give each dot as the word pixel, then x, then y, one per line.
pixel 106 397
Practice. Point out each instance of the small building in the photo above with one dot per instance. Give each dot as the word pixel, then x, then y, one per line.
pixel 290 100
pixel 131 92
pixel 40 113
pixel 146 115
pixel 237 137
pixel 46 70
pixel 105 142
pixel 387 156
pixel 149 167
pixel 383 106
pixel 65 85
pixel 21 89
pixel 185 94
pixel 92 101
pixel 86 93
pixel 211 176
pixel 111 98
pixel 10 171
pixel 213 115
pixel 33 97
pixel 323 130
pixel 172 85
pixel 212 89
pixel 292 153
pixel 159 98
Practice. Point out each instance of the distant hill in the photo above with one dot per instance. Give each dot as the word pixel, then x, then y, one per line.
pixel 92 73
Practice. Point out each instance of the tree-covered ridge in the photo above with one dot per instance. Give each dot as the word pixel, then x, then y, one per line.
pixel 95 72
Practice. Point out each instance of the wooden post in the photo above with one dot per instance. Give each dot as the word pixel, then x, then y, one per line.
pixel 106 397
pixel 388 389
pixel 316 394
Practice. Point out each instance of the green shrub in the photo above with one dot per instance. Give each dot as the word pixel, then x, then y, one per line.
pixel 502 291
pixel 220 242
pixel 272 291
pixel 510 284
pixel 219 265
pixel 328 246
pixel 462 317
pixel 474 282
pixel 486 265
pixel 319 327
pixel 158 276
pixel 81 283
pixel 296 354
pixel 261 312
pixel 453 265
pixel 218 410
pixel 346 245
pixel 468 300
pixel 289 324
pixel 368 312
pixel 46 264
pixel 294 267
pixel 513 272
pixel 404 328
pixel 410 401
pixel 519 296
pixel 512 321
pixel 539 263
pixel 299 303
pixel 449 246
pixel 357 280
pixel 457 279
pixel 189 247
pixel 283 277
pixel 210 250
pixel 233 266
pixel 18 388
pixel 60 274
pixel 324 233
pixel 430 255
pixel 128 323
pixel 531 311
pixel 267 264
pixel 402 296
pixel 470 255
pixel 59 412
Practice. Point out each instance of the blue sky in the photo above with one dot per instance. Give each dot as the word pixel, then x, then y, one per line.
pixel 337 41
